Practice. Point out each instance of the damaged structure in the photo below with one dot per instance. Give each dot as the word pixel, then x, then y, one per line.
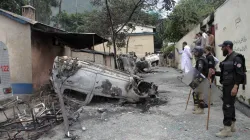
pixel 32 47
pixel 89 79
pixel 97 80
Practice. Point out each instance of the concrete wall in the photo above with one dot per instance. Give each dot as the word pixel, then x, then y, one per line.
pixel 189 38
pixel 137 43
pixel 67 51
pixel 43 55
pixel 97 58
pixel 17 38
pixel 109 61
pixel 232 21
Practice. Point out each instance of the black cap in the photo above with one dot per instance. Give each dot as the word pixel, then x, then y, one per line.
pixel 198 49
pixel 226 43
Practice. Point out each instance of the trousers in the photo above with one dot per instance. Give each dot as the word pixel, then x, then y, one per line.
pixel 228 105
pixel 198 97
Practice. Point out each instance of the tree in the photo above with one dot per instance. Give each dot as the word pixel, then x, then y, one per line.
pixel 186 15
pixel 43 9
pixel 112 17
pixel 70 22
pixel 14 6
pixel 115 9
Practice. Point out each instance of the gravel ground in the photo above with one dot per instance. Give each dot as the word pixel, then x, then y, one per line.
pixel 168 121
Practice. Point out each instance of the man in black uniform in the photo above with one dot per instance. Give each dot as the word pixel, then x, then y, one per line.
pixel 231 76
pixel 210 59
pixel 202 67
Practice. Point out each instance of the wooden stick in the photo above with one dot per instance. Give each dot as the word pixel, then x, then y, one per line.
pixel 209 102
pixel 188 98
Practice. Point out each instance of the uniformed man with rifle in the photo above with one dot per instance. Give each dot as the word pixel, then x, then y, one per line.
pixel 233 73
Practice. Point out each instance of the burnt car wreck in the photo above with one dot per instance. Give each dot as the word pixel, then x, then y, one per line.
pixel 97 80
pixel 132 65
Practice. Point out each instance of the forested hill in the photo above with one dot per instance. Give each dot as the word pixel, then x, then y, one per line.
pixel 70 6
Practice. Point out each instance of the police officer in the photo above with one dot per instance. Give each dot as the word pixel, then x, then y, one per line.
pixel 231 76
pixel 202 67
pixel 210 59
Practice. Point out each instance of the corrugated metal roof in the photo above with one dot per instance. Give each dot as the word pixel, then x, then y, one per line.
pixel 28 6
pixel 93 52
pixel 16 17
pixel 75 40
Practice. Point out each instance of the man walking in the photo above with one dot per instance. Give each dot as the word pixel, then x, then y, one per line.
pixel 211 41
pixel 231 76
pixel 204 39
pixel 197 40
pixel 186 57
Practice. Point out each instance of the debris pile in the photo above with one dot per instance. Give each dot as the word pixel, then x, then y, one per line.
pixel 55 103
pixel 31 118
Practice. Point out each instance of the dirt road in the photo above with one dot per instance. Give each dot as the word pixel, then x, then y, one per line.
pixel 163 122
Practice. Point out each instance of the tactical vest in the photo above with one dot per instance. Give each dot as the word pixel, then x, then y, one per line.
pixel 205 67
pixel 228 69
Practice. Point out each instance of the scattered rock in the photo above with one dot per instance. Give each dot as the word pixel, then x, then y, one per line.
pixel 2 108
pixel 101 110
pixel 103 116
pixel 84 128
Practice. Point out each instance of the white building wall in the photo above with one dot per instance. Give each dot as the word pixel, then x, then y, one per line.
pixel 189 38
pixel 232 20
pixel 17 38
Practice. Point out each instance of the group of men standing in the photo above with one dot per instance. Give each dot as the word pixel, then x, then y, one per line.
pixel 232 74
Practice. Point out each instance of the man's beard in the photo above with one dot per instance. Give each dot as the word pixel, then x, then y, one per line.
pixel 225 52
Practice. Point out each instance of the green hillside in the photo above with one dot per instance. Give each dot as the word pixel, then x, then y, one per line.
pixel 70 6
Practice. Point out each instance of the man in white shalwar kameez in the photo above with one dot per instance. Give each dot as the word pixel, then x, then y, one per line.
pixel 186 64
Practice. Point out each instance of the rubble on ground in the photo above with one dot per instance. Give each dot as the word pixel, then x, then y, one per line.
pixel 30 118
pixel 73 85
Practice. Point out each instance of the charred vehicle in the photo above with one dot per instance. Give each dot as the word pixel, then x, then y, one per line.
pixel 153 59
pixel 131 65
pixel 97 80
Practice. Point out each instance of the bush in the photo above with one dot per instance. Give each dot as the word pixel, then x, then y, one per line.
pixel 167 49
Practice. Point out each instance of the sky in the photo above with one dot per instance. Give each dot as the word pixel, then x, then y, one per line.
pixel 163 12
